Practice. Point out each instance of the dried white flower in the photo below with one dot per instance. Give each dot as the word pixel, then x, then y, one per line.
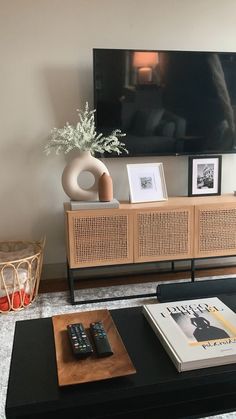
pixel 84 137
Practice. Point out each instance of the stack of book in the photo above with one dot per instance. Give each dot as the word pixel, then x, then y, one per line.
pixel 81 205
pixel 195 333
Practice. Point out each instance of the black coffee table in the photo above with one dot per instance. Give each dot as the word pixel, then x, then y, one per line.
pixel 157 390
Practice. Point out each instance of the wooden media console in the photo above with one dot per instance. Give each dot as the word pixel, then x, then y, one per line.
pixel 181 228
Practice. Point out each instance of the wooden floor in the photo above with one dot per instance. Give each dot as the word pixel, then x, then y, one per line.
pixel 55 285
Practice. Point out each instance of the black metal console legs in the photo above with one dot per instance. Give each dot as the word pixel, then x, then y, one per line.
pixel 71 272
pixel 71 280
pixel 71 283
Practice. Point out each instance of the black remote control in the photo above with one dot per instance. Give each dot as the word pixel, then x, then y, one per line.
pixel 100 339
pixel 80 343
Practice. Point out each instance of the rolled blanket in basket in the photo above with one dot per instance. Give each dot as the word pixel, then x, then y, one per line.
pixel 17 299
pixel 14 288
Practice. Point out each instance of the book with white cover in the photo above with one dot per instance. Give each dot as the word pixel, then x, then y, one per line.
pixel 197 333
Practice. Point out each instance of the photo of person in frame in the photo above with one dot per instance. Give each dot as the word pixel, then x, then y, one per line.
pixel 204 331
pixel 205 176
pixel 202 326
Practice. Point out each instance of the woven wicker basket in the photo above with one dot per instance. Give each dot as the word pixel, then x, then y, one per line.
pixel 20 272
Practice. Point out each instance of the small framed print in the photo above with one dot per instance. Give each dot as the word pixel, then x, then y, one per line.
pixel 204 175
pixel 146 182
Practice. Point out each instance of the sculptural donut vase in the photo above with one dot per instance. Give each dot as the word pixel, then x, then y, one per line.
pixel 84 161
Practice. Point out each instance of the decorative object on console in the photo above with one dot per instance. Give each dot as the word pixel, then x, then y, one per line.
pixel 84 161
pixel 105 188
pixel 204 175
pixel 146 182
pixel 85 139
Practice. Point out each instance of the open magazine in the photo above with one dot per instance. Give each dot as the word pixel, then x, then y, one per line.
pixel 195 333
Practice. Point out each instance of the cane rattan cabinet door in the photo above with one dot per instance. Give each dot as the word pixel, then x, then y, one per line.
pixel 215 227
pixel 163 234
pixel 99 237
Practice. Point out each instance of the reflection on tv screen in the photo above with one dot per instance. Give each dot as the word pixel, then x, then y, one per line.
pixel 167 102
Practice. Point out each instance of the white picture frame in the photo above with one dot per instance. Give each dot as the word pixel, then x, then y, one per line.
pixel 146 182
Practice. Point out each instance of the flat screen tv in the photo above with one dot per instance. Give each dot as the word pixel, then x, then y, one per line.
pixel 167 102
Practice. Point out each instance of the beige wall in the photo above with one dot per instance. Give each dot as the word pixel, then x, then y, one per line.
pixel 46 74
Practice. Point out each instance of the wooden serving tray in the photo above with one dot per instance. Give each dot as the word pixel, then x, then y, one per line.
pixel 73 371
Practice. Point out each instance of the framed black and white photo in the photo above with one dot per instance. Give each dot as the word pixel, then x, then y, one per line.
pixel 146 182
pixel 204 175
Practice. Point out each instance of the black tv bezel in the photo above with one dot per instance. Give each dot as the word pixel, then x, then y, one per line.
pixel 203 153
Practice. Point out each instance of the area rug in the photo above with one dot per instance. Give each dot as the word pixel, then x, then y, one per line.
pixel 47 305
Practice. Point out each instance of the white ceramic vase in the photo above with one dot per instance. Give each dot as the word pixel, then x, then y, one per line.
pixel 83 161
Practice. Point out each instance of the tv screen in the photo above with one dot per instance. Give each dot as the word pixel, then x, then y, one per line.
pixel 167 102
